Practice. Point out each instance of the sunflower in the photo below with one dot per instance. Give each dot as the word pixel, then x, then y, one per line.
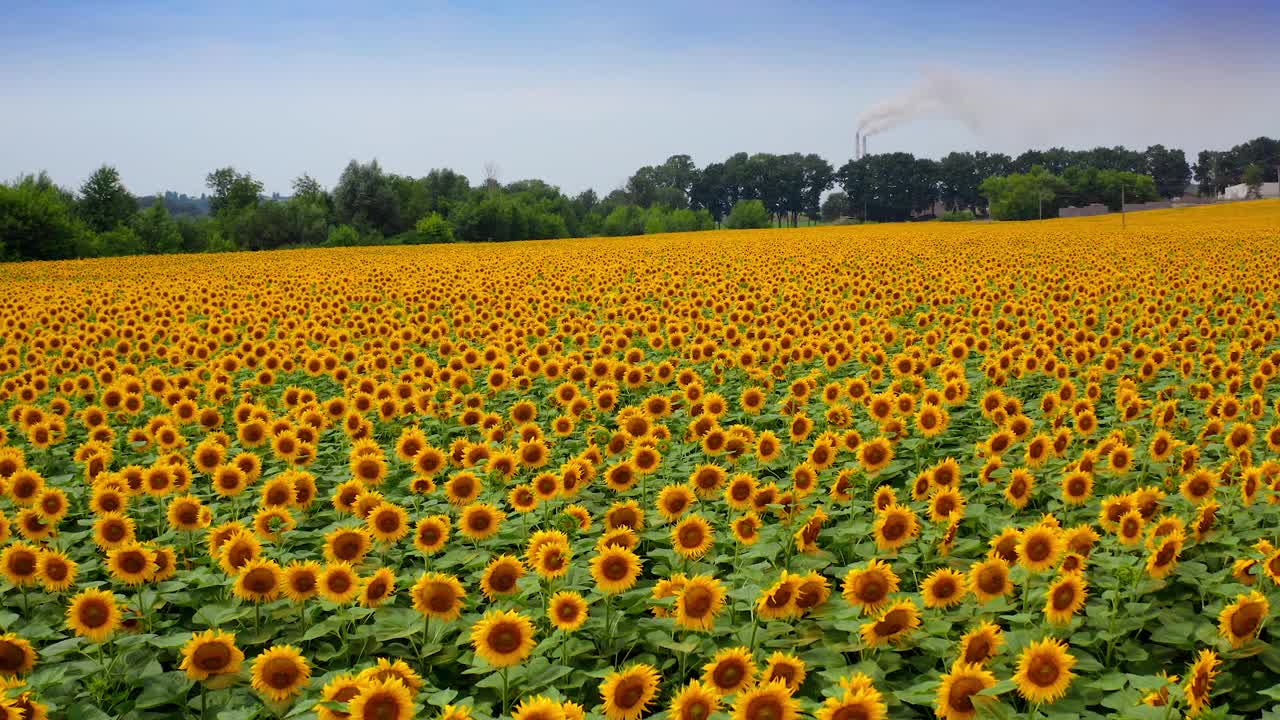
pixel 730 670
pixel 766 701
pixel 784 668
pixel 386 699
pixel 347 545
pixel 989 579
pixel 20 564
pixel 339 584
pixel 779 600
pixel 500 576
pixel 869 588
pixel 238 550
pixel 1039 547
pixel 746 528
pixel 567 611
pixel 958 697
pixel 944 588
pixel 375 589
pixel 280 672
pixel 438 596
pixel 271 523
pixel 692 537
pixel 895 527
pixel 1077 487
pixel 301 580
pixel 17 657
pixel 627 694
pixel 892 625
pixel 502 637
pixel 740 490
pixel 386 669
pixel 1199 682
pixel 699 601
pixel 1064 598
pixel 338 691
pixel 875 455
pixel 673 501
pixel 695 701
pixel 615 569
pixel 388 522
pixel 538 707
pixel 93 614
pixel 187 513
pixel 812 591
pixel 1238 622
pixel 259 581
pixel 981 644
pixel 1164 555
pixel 211 653
pixel 1044 671
pixel 132 563
pixel 431 533
pixel 480 521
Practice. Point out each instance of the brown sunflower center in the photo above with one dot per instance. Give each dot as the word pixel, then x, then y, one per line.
pixel 959 697
pixel 505 638
pixel 1246 619
pixel 211 657
pixel 1043 671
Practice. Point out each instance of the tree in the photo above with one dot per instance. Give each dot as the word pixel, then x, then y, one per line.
pixel 835 206
pixel 1168 169
pixel 710 192
pixel 232 191
pixel 748 214
pixel 104 202
pixel 37 222
pixel 1253 179
pixel 156 230
pixel 958 181
pixel 624 220
pixel 364 198
pixel 1023 196
pixel 434 229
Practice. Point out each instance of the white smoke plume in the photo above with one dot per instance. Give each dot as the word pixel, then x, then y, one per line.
pixel 937 92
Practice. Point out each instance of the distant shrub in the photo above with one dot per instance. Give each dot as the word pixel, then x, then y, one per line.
pixel 747 214
pixel 957 216
pixel 434 229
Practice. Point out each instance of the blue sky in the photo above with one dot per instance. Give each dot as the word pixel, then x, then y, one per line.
pixel 581 94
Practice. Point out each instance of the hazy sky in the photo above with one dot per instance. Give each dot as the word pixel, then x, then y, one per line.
pixel 581 94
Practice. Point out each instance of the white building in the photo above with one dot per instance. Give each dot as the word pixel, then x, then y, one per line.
pixel 1238 192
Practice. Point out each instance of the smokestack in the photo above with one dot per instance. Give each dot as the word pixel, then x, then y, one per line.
pixel 857 144
pixel 864 146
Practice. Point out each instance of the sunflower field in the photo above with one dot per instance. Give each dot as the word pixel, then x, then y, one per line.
pixel 929 470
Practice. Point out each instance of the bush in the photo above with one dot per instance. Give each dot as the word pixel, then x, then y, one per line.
pixel 122 240
pixel 434 229
pixel 957 216
pixel 747 214
pixel 342 236
pixel 624 220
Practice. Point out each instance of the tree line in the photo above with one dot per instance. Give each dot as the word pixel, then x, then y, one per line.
pixel 41 220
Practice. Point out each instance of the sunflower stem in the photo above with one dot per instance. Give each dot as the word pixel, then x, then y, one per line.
pixel 203 712
pixel 505 707
pixel 422 652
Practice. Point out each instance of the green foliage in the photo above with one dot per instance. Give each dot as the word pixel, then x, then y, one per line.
pixel 624 220
pixel 278 224
pixel 342 236
pixel 835 206
pixel 1023 196
pixel 157 231
pixel 37 222
pixel 364 198
pixel 233 191
pixel 104 201
pixel 957 216
pixel 434 229
pixel 1252 177
pixel 122 240
pixel 748 214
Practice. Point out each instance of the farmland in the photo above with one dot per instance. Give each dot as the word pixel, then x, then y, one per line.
pixel 915 470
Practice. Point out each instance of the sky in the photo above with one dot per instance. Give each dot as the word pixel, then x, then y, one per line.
pixel 581 94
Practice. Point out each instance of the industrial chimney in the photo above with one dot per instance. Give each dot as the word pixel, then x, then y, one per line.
pixel 857 144
pixel 864 146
